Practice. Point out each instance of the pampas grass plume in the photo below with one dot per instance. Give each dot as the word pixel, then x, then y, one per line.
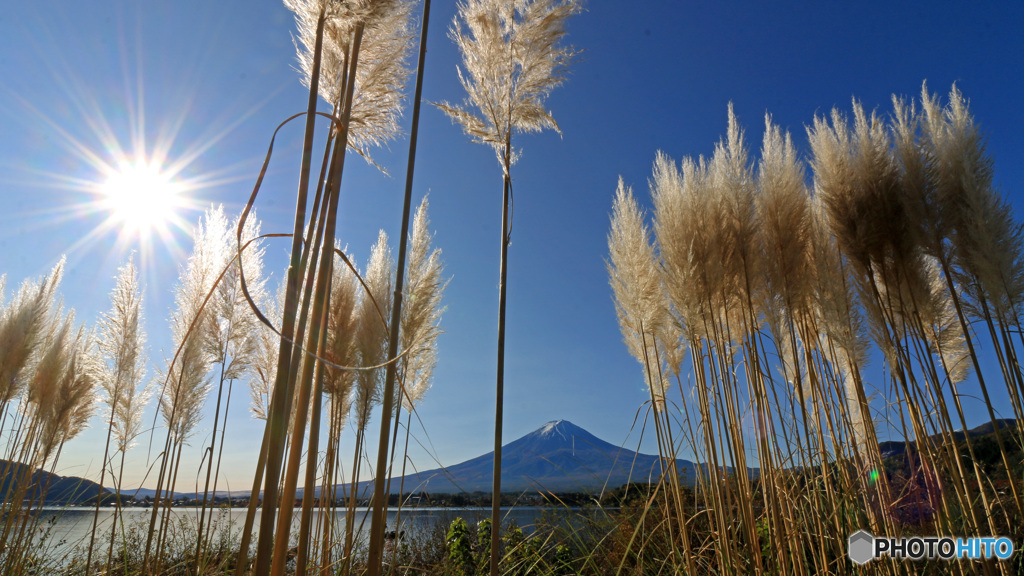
pixel 383 61
pixel 372 337
pixel 511 60
pixel 636 284
pixel 122 343
pixel 421 312
pixel 24 326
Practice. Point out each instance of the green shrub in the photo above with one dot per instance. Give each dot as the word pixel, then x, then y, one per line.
pixel 483 545
pixel 460 552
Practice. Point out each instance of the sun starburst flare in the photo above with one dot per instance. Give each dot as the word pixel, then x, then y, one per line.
pixel 141 199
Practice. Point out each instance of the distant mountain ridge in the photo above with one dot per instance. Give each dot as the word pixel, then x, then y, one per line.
pixel 892 448
pixel 60 490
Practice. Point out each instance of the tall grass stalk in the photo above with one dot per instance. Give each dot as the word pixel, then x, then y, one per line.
pixel 186 381
pixel 354 57
pixel 269 361
pixel 313 342
pixel 419 332
pixel 121 342
pixel 336 346
pixel 309 491
pixel 389 405
pixel 232 343
pixel 513 59
pixel 371 342
pixel 343 319
pixel 273 437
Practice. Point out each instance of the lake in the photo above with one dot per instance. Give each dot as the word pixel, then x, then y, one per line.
pixel 62 531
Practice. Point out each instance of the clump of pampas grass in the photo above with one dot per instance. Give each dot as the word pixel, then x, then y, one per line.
pixel 787 275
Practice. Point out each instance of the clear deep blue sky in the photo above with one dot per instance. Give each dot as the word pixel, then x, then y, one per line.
pixel 209 81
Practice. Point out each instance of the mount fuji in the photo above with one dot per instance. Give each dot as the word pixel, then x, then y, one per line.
pixel 557 457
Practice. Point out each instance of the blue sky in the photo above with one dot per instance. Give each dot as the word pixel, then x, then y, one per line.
pixel 207 83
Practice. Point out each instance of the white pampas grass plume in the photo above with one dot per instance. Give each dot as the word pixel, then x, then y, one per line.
pixel 834 295
pixel 783 232
pixel 735 227
pixel 839 321
pixel 682 227
pixel 783 215
pixel 232 333
pixel 848 217
pixel 853 390
pixel 74 398
pixel 60 394
pixel 372 337
pixel 52 365
pixel 778 319
pixel 941 327
pixel 263 369
pixel 342 327
pixel 511 60
pixel 918 177
pixel 122 344
pixel 24 326
pixel 636 287
pixel 1001 269
pixel 671 343
pixel 988 242
pixel 421 311
pixel 186 383
pixel 858 181
pixel 383 61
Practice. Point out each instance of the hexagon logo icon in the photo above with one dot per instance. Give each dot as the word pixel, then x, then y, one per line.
pixel 861 547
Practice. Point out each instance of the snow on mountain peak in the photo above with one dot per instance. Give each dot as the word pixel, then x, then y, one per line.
pixel 551 428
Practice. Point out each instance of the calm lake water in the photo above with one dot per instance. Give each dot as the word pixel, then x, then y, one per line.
pixel 62 531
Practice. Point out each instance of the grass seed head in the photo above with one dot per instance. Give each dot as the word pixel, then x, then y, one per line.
pixel 422 310
pixel 512 58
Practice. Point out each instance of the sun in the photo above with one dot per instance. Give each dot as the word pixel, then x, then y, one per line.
pixel 141 198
